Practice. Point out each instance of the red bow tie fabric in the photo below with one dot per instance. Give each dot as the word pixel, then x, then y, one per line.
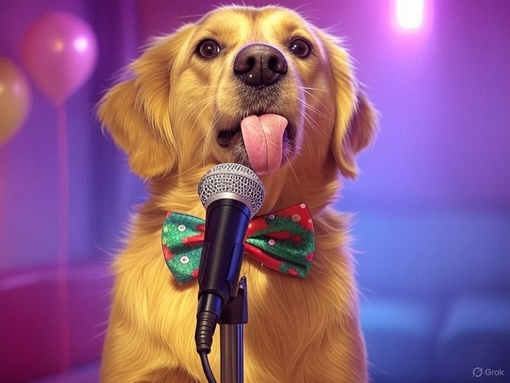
pixel 282 241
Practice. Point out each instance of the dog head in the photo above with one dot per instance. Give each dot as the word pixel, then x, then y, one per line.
pixel 255 86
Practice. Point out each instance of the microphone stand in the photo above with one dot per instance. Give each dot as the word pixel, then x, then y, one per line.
pixel 232 319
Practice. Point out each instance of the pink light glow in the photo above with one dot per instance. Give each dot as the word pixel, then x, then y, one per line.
pixel 81 44
pixel 409 14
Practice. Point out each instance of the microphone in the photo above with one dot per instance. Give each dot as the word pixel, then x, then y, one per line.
pixel 231 194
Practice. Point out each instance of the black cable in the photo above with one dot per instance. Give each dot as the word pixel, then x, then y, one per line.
pixel 209 308
pixel 207 367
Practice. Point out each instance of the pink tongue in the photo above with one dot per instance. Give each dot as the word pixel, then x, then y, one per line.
pixel 263 139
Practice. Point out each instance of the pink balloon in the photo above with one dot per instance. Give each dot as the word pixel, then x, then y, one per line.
pixel 15 99
pixel 59 52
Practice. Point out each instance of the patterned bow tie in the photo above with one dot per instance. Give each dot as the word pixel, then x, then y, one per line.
pixel 283 241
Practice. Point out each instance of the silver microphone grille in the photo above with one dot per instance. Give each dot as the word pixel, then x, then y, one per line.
pixel 232 181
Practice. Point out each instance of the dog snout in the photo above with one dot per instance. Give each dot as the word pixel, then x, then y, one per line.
pixel 259 65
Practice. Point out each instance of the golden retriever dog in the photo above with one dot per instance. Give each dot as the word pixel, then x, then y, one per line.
pixel 263 88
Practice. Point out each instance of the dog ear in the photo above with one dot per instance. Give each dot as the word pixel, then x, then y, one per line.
pixel 360 132
pixel 136 111
pixel 355 117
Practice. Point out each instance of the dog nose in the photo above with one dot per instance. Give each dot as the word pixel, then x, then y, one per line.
pixel 260 65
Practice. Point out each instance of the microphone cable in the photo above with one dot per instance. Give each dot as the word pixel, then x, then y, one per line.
pixel 206 367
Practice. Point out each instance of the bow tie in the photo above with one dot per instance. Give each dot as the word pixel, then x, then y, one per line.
pixel 283 241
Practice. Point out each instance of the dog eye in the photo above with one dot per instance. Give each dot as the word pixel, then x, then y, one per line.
pixel 208 49
pixel 300 48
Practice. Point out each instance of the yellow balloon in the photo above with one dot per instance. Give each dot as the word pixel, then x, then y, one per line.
pixel 15 99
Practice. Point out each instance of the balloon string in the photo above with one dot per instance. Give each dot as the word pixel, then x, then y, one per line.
pixel 63 238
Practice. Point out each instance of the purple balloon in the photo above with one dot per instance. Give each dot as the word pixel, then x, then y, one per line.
pixel 59 51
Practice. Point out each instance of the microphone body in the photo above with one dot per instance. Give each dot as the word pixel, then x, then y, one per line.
pixel 225 230
pixel 232 194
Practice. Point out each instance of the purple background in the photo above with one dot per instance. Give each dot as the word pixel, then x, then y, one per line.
pixel 432 203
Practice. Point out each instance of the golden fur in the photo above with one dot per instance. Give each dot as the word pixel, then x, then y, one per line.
pixel 166 117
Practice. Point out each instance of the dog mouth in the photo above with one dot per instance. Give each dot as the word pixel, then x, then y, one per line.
pixel 228 136
pixel 225 137
pixel 263 142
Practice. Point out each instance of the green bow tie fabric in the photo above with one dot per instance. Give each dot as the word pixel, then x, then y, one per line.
pixel 283 241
